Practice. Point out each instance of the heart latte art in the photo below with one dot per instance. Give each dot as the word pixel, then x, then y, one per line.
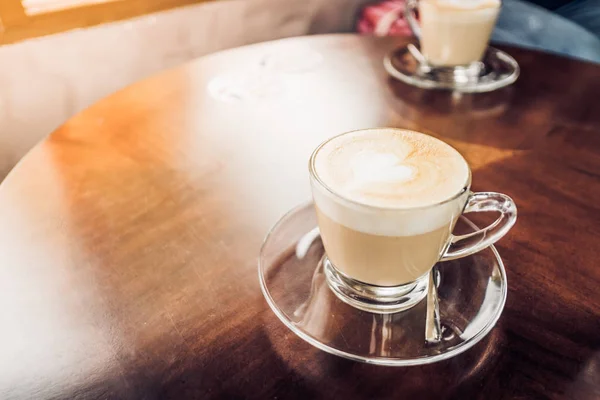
pixel 391 168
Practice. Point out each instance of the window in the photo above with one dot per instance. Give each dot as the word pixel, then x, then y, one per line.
pixel 33 7
pixel 22 19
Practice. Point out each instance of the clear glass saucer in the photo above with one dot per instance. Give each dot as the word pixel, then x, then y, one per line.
pixel 495 71
pixel 472 292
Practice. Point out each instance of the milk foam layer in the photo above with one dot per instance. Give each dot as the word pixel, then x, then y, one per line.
pixel 391 168
pixel 404 175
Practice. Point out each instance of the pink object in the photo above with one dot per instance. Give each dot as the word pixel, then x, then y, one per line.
pixel 384 19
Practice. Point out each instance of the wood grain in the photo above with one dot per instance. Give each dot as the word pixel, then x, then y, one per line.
pixel 129 237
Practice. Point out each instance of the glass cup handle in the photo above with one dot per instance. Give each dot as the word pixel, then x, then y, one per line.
pixel 409 14
pixel 464 245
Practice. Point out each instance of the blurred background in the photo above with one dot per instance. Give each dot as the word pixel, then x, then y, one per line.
pixel 60 56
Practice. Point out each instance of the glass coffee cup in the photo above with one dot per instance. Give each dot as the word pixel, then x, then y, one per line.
pixel 387 201
pixel 453 34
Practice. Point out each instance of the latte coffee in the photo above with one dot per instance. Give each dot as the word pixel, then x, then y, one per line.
pixel 456 32
pixel 387 201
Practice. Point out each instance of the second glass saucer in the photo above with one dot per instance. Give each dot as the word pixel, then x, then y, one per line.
pixel 472 292
pixel 498 69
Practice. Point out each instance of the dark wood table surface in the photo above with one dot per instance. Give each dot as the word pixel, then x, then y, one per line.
pixel 129 237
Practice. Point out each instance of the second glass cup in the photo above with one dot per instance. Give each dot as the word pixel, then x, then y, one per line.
pixel 453 34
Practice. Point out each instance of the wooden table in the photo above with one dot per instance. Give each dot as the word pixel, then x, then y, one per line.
pixel 129 237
